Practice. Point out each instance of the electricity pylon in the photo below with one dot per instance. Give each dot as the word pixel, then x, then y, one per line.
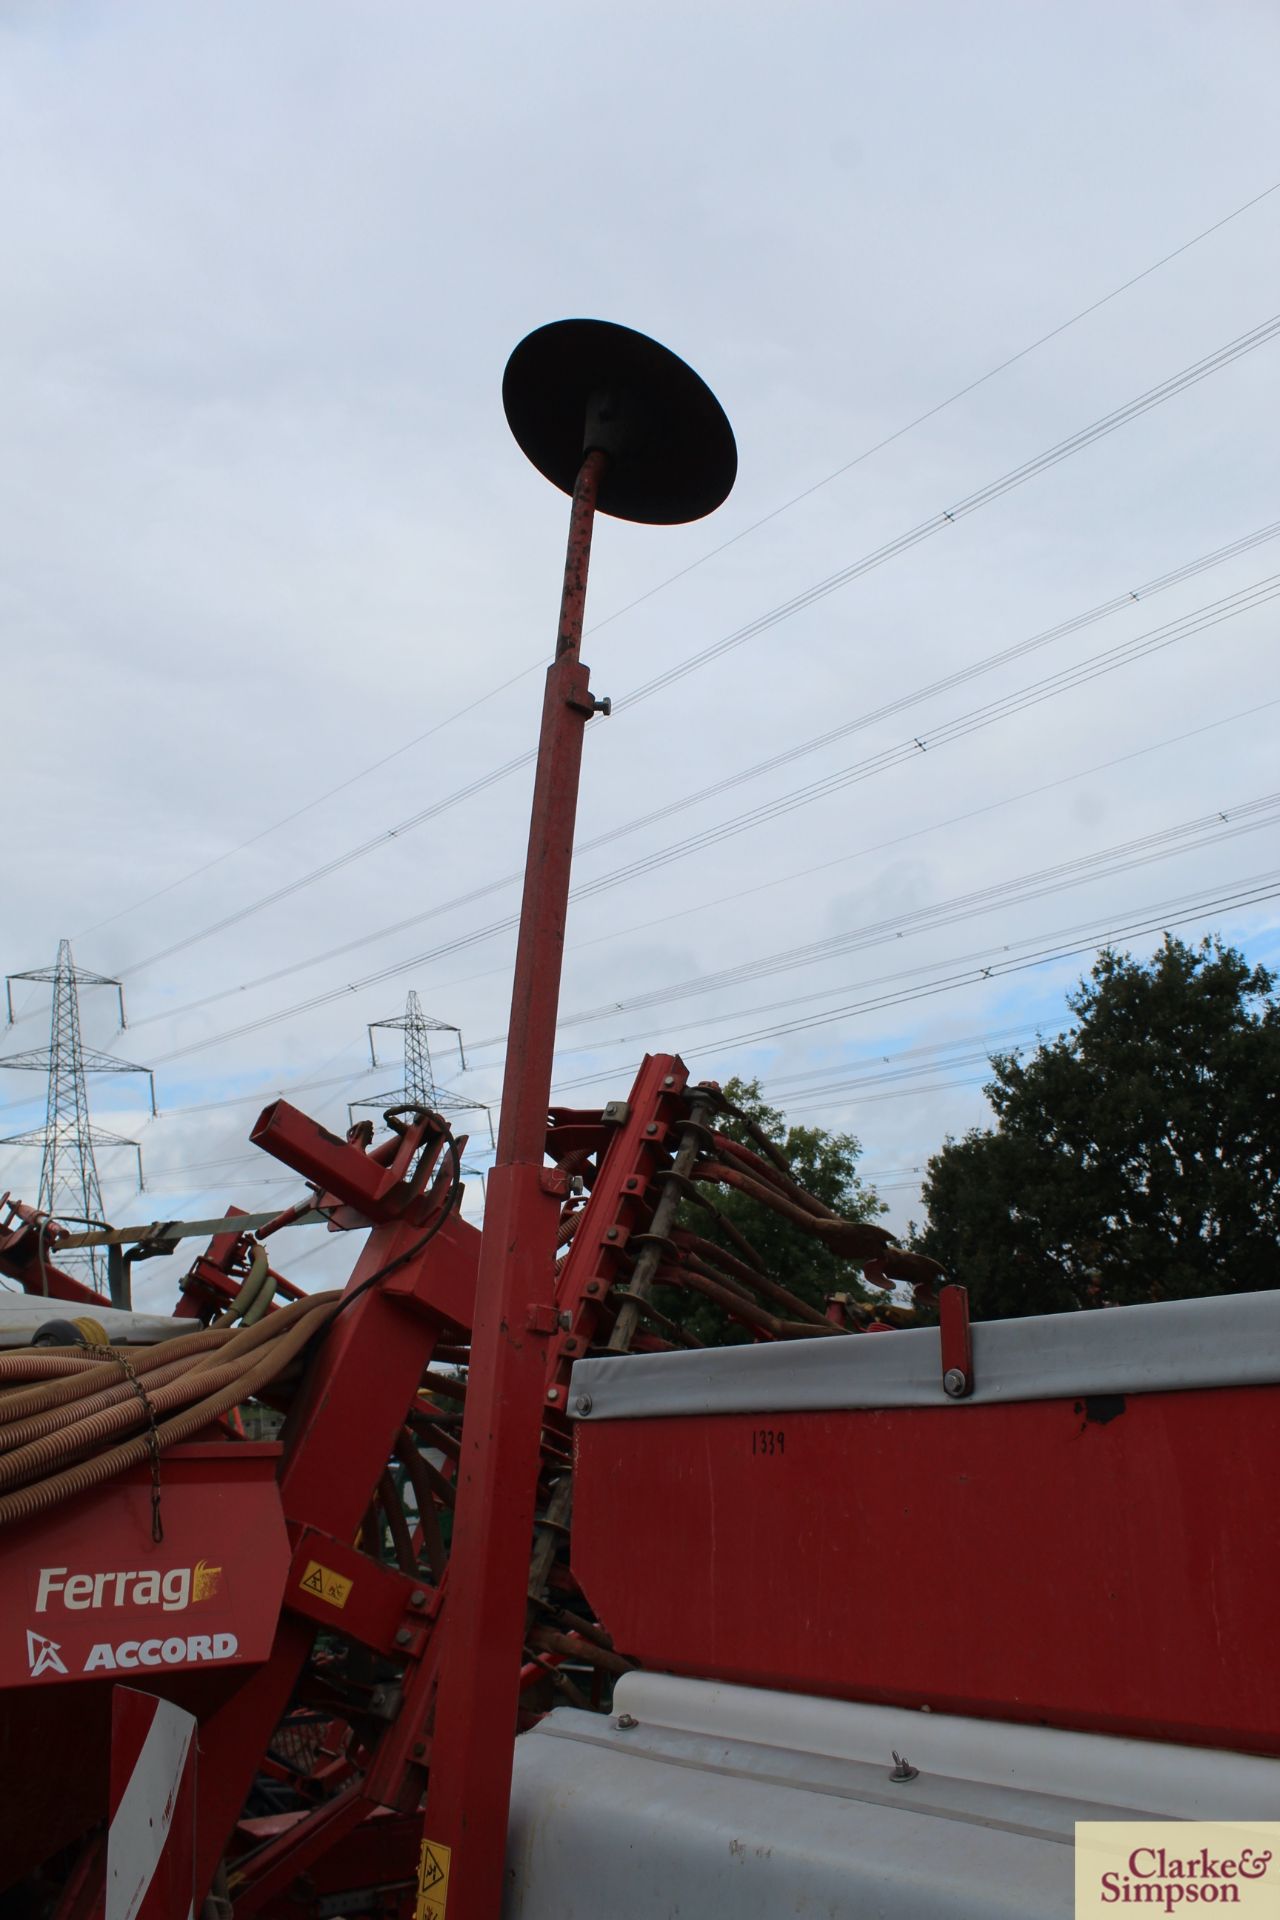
pixel 420 1089
pixel 69 1188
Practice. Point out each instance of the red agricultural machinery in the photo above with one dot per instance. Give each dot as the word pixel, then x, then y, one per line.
pixel 480 1587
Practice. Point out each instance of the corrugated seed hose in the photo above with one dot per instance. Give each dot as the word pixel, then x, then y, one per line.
pixel 57 1405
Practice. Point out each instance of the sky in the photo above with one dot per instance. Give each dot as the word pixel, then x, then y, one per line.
pixel 278 587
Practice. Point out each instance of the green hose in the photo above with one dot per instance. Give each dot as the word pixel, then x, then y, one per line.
pixel 254 1296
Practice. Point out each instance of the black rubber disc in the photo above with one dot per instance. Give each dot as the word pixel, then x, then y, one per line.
pixel 671 450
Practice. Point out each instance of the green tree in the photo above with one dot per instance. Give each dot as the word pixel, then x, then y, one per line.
pixel 1136 1157
pixel 825 1163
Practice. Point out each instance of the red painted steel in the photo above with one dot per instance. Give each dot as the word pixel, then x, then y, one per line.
pixel 216 1275
pixel 629 1151
pixel 85 1591
pixel 338 1438
pixel 469 1791
pixel 28 1254
pixel 378 1184
pixel 956 1339
pixel 1107 1564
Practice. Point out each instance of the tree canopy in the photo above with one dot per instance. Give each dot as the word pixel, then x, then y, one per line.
pixel 825 1163
pixel 1136 1157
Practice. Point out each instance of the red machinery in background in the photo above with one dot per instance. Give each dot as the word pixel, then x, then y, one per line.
pixel 283 1575
pixel 617 421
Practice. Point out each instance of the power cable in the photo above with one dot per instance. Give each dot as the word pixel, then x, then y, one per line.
pixel 984 496
pixel 931 414
pixel 793 1082
pixel 702 907
pixel 962 725
pixel 262 1094
pixel 1186 836
pixel 1233 550
pixel 1154 640
pixel 853 1086
pixel 973 670
pixel 994 490
pixel 1065 945
pixel 898 1093
pixel 889 937
pixel 1094 667
pixel 538 664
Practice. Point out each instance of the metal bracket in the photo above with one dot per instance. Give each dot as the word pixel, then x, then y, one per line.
pixel 591 705
pixel 956 1341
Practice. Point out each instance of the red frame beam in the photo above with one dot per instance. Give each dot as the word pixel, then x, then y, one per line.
pixel 470 1785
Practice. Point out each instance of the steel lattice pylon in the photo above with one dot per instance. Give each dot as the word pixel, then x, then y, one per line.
pixel 69 1186
pixel 420 1088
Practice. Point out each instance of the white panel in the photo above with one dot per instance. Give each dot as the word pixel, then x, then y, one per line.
pixel 1173 1782
pixel 23 1314
pixel 730 1803
pixel 1173 1344
pixel 137 1835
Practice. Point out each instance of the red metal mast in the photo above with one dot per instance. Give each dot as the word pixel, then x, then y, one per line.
pixel 656 447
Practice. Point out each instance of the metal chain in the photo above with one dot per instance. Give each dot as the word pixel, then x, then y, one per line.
pixel 125 1365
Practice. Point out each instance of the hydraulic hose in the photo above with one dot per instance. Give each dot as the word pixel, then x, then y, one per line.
pixel 249 1305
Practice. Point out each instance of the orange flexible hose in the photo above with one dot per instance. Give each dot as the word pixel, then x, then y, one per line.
pixel 40 1456
pixel 50 1363
pixel 57 1392
pixel 19 1432
pixel 248 1339
pixel 286 1334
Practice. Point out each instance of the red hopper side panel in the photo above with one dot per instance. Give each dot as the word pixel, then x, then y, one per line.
pixel 1100 1560
pixel 89 1601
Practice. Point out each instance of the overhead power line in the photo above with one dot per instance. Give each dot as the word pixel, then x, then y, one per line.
pixel 538 665
pixel 972 670
pixel 703 906
pixel 907 750
pixel 1206 830
pixel 959 727
pixel 801 1084
pixel 789 1002
pixel 990 963
pixel 962 509
pixel 263 1093
pixel 889 932
pixel 932 413
pixel 920 1092
pixel 269 1091
pixel 1093 667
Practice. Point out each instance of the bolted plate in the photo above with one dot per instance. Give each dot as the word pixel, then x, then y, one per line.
pixel 588 383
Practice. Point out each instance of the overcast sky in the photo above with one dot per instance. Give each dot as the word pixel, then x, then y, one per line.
pixel 276 579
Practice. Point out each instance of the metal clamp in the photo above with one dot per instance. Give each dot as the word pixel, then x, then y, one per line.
pixel 957 1341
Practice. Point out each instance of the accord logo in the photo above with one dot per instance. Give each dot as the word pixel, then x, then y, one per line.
pixel 42 1655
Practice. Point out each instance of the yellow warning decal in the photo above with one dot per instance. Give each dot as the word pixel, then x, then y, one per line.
pixel 433 1881
pixel 326 1584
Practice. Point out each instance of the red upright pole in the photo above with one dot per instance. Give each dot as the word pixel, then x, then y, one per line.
pixel 470 1782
